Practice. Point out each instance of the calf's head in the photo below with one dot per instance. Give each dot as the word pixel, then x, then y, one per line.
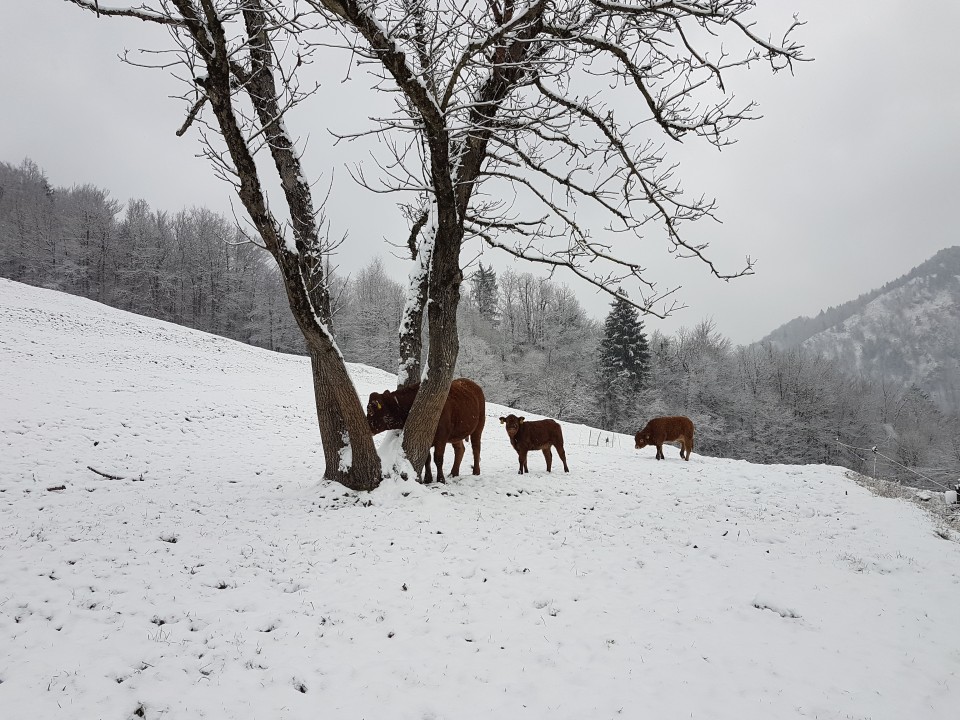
pixel 383 412
pixel 642 439
pixel 513 424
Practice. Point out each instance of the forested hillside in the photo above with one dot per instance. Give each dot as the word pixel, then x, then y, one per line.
pixel 192 267
pixel 525 339
pixel 905 333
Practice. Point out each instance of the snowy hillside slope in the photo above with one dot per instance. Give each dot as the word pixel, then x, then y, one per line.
pixel 219 579
pixel 910 334
pixel 907 331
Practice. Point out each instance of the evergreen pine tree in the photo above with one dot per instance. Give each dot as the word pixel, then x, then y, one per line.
pixel 485 295
pixel 623 362
pixel 624 354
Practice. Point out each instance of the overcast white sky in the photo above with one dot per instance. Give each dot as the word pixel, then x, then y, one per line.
pixel 849 180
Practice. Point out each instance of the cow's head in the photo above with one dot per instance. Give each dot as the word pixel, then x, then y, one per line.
pixel 513 424
pixel 383 412
pixel 642 439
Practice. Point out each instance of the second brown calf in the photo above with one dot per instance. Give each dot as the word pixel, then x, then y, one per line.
pixel 667 429
pixel 535 435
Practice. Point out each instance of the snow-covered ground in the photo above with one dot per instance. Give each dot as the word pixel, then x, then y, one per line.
pixel 220 579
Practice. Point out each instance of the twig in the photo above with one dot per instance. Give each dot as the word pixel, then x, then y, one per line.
pixel 106 475
pixel 191 116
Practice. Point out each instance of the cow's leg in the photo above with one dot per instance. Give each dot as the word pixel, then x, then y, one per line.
pixel 475 445
pixel 427 472
pixel 563 456
pixel 689 444
pixel 458 450
pixel 438 459
pixel 660 455
pixel 523 462
pixel 548 456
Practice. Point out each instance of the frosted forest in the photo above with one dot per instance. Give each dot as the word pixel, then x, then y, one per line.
pixel 525 338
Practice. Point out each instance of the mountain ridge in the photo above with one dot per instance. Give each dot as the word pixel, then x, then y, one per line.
pixel 906 331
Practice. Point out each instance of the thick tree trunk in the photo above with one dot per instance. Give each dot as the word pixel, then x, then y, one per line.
pixel 444 298
pixel 411 333
pixel 341 417
pixel 411 324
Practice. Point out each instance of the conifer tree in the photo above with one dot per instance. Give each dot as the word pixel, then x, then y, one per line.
pixel 624 353
pixel 485 292
pixel 623 363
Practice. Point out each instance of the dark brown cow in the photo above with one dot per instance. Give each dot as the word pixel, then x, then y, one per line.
pixel 535 435
pixel 667 429
pixel 463 415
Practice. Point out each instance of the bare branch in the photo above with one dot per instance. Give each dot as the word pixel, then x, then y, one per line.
pixel 140 13
pixel 191 116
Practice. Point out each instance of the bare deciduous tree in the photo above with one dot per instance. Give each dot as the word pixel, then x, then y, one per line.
pixel 516 123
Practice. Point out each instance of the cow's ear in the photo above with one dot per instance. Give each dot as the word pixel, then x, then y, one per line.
pixel 520 420
pixel 503 420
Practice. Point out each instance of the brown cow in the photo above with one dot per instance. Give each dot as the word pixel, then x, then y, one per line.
pixel 535 435
pixel 667 429
pixel 463 415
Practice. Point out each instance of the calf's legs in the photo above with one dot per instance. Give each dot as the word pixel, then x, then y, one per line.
pixel 563 457
pixel 458 450
pixel 438 459
pixel 475 445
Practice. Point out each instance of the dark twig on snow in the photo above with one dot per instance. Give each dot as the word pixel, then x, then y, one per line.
pixel 106 475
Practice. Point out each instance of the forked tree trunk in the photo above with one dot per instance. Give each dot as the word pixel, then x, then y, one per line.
pixel 342 422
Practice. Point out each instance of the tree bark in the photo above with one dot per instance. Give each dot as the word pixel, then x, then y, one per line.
pixel 411 333
pixel 339 415
pixel 444 298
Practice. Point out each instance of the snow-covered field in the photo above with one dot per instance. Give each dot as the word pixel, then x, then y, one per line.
pixel 220 579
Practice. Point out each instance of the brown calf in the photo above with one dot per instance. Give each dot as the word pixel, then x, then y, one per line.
pixel 535 435
pixel 463 415
pixel 667 429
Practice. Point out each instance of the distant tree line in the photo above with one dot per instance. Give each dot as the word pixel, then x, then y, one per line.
pixel 193 268
pixel 525 339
